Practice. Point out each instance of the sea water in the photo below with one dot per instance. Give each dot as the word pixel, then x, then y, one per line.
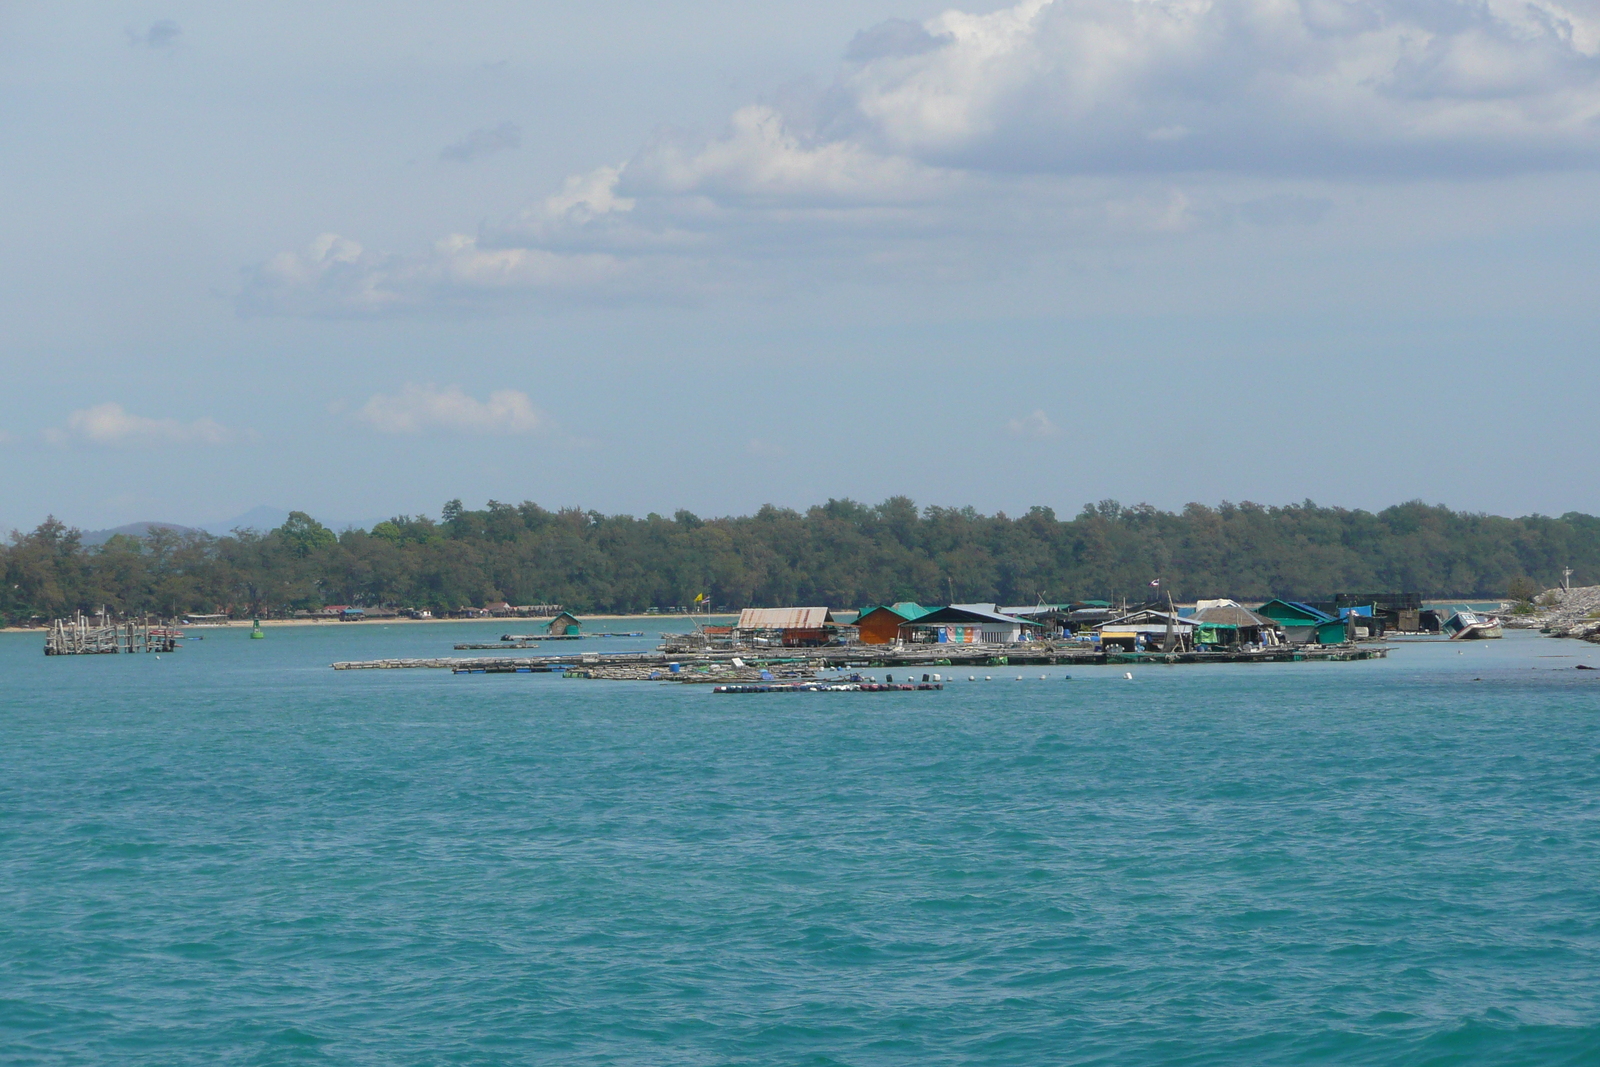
pixel 232 854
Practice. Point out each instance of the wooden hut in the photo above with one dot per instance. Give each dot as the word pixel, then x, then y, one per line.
pixel 565 624
pixel 881 625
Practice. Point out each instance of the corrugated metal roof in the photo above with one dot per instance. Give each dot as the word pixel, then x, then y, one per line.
pixel 1231 614
pixel 1146 617
pixel 784 618
pixel 1033 609
pixel 906 609
pixel 1313 615
pixel 969 613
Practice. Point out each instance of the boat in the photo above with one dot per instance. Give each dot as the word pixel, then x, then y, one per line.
pixel 1472 626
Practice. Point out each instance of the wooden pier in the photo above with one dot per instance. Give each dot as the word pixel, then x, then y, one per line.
pixel 82 635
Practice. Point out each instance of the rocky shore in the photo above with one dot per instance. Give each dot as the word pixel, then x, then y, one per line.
pixel 1562 613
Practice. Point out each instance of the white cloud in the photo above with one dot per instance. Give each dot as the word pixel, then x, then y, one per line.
pixel 1038 129
pixel 109 424
pixel 1256 86
pixel 1034 427
pixel 419 408
pixel 337 277
pixel 763 157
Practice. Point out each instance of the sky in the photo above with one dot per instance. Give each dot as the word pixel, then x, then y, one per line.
pixel 361 259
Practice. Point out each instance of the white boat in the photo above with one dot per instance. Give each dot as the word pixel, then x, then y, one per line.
pixel 1472 626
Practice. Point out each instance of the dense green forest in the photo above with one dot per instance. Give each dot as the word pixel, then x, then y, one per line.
pixel 842 554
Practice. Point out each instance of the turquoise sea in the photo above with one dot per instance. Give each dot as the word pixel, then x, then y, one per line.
pixel 234 855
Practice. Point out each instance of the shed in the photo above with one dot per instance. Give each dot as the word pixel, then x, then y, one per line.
pixel 784 618
pixel 881 625
pixel 1332 632
pixel 1299 621
pixel 797 627
pixel 1146 626
pixel 1227 622
pixel 1055 618
pixel 969 624
pixel 564 625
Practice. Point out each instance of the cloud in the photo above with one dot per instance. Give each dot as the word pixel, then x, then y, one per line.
pixel 163 33
pixel 336 277
pixel 1041 129
pixel 1251 86
pixel 484 141
pixel 1034 427
pixel 420 408
pixel 109 424
pixel 763 157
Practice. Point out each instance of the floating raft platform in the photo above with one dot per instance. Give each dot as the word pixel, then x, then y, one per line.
pixel 830 687
pixel 1032 653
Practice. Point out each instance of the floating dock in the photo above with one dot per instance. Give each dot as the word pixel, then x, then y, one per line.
pixel 810 660
pixel 830 687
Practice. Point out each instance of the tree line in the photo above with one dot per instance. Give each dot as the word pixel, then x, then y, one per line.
pixel 843 554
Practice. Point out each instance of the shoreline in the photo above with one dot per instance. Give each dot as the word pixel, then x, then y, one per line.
pixel 234 624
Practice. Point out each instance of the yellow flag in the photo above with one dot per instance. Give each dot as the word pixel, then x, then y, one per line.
pixel 698 597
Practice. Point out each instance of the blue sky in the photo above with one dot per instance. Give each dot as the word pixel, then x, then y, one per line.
pixel 637 257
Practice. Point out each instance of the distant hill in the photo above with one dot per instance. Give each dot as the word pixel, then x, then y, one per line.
pixel 260 517
pixel 133 529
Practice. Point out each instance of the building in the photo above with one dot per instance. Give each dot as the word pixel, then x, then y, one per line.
pixel 1226 623
pixel 969 624
pixel 564 625
pixel 1055 618
pixel 1147 630
pixel 881 625
pixel 793 627
pixel 1301 623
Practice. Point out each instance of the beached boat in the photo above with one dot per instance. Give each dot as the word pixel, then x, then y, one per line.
pixel 1472 626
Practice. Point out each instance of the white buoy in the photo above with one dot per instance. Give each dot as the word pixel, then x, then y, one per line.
pixel 972 677
pixel 988 677
pixel 1019 677
pixel 1041 677
pixel 1128 675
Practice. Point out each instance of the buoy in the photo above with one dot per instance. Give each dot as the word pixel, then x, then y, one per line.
pixel 1019 677
pixel 1041 677
pixel 1128 675
pixel 255 630
pixel 972 677
pixel 988 677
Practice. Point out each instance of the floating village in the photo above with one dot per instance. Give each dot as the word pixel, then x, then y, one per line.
pixel 802 649
pixel 808 649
